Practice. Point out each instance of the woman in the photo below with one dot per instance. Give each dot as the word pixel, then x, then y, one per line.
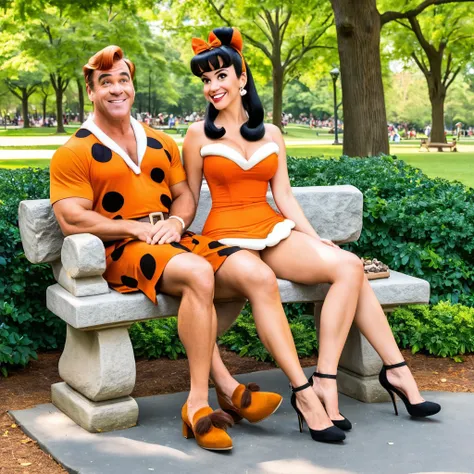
pixel 239 155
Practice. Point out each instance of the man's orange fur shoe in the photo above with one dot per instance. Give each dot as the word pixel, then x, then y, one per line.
pixel 208 427
pixel 249 403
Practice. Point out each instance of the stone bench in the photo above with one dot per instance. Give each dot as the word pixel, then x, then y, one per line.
pixel 98 365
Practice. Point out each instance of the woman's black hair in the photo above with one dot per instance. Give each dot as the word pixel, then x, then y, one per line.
pixel 225 56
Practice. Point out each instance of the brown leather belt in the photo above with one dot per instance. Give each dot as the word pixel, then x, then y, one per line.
pixel 153 217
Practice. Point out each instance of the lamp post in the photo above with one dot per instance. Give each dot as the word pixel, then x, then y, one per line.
pixel 335 74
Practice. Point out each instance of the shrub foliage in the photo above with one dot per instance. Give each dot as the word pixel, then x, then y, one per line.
pixel 415 224
pixel 157 338
pixel 25 323
pixel 242 337
pixel 442 330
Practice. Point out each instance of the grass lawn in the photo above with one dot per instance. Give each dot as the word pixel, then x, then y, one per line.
pixel 449 165
pixel 452 166
pixel 326 151
pixel 36 131
pixel 10 164
pixel 31 147
pixel 301 132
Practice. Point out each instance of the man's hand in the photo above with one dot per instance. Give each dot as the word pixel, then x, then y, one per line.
pixel 142 230
pixel 165 232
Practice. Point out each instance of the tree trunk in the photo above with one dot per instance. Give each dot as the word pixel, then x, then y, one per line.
pixel 277 94
pixel 45 102
pixel 437 92
pixel 59 88
pixel 24 108
pixel 437 120
pixel 59 111
pixel 80 90
pixel 358 38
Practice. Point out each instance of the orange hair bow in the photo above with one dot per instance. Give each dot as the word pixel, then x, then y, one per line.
pixel 199 45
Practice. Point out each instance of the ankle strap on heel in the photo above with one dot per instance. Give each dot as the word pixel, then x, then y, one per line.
pixel 324 376
pixel 395 366
pixel 301 387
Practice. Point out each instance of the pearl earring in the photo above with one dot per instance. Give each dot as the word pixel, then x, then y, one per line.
pixel 242 91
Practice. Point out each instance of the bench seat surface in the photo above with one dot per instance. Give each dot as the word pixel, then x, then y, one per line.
pixel 115 309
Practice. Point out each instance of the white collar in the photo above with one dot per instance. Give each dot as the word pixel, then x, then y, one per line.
pixel 226 151
pixel 140 136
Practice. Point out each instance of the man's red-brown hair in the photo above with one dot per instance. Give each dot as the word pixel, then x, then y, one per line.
pixel 103 61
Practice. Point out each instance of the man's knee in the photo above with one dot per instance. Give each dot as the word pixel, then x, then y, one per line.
pixel 198 275
pixel 189 272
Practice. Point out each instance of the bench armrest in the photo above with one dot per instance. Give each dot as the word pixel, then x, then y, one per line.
pixel 41 236
pixel 83 255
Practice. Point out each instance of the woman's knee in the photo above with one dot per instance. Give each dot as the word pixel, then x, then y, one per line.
pixel 350 267
pixel 259 277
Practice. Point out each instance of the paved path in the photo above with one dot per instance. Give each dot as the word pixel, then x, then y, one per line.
pixel 380 443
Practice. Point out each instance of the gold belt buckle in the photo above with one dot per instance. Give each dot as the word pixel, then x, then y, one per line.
pixel 155 217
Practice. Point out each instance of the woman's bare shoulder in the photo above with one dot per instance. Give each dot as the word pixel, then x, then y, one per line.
pixel 195 135
pixel 196 128
pixel 272 131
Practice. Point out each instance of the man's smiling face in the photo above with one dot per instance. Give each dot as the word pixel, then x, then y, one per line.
pixel 113 93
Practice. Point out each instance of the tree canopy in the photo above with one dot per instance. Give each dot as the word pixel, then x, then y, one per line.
pixel 290 45
pixel 283 37
pixel 441 44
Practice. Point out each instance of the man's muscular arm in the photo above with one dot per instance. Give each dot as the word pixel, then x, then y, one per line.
pixel 75 216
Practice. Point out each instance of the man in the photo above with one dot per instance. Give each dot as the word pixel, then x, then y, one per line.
pixel 107 180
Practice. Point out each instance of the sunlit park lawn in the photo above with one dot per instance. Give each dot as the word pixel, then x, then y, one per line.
pixel 453 166
pixel 40 131
pixel 303 142
pixel 11 164
pixel 30 147
pixel 35 131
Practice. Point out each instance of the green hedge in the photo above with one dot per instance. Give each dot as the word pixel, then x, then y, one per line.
pixel 159 337
pixel 442 330
pixel 25 323
pixel 415 224
pixel 242 337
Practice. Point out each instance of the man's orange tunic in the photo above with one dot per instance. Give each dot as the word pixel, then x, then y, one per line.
pixel 92 166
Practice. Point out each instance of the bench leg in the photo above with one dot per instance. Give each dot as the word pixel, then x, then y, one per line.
pixel 98 368
pixel 359 367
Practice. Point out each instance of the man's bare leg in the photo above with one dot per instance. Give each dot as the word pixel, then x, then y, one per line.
pixel 192 278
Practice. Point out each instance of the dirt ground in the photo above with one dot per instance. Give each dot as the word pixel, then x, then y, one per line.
pixel 31 386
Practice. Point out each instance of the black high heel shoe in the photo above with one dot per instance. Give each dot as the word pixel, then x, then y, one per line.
pixel 328 435
pixel 419 410
pixel 344 424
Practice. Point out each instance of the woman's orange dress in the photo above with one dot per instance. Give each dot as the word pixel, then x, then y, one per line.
pixel 240 214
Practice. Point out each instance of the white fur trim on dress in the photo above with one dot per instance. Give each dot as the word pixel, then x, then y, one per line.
pixel 281 231
pixel 226 151
pixel 140 136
